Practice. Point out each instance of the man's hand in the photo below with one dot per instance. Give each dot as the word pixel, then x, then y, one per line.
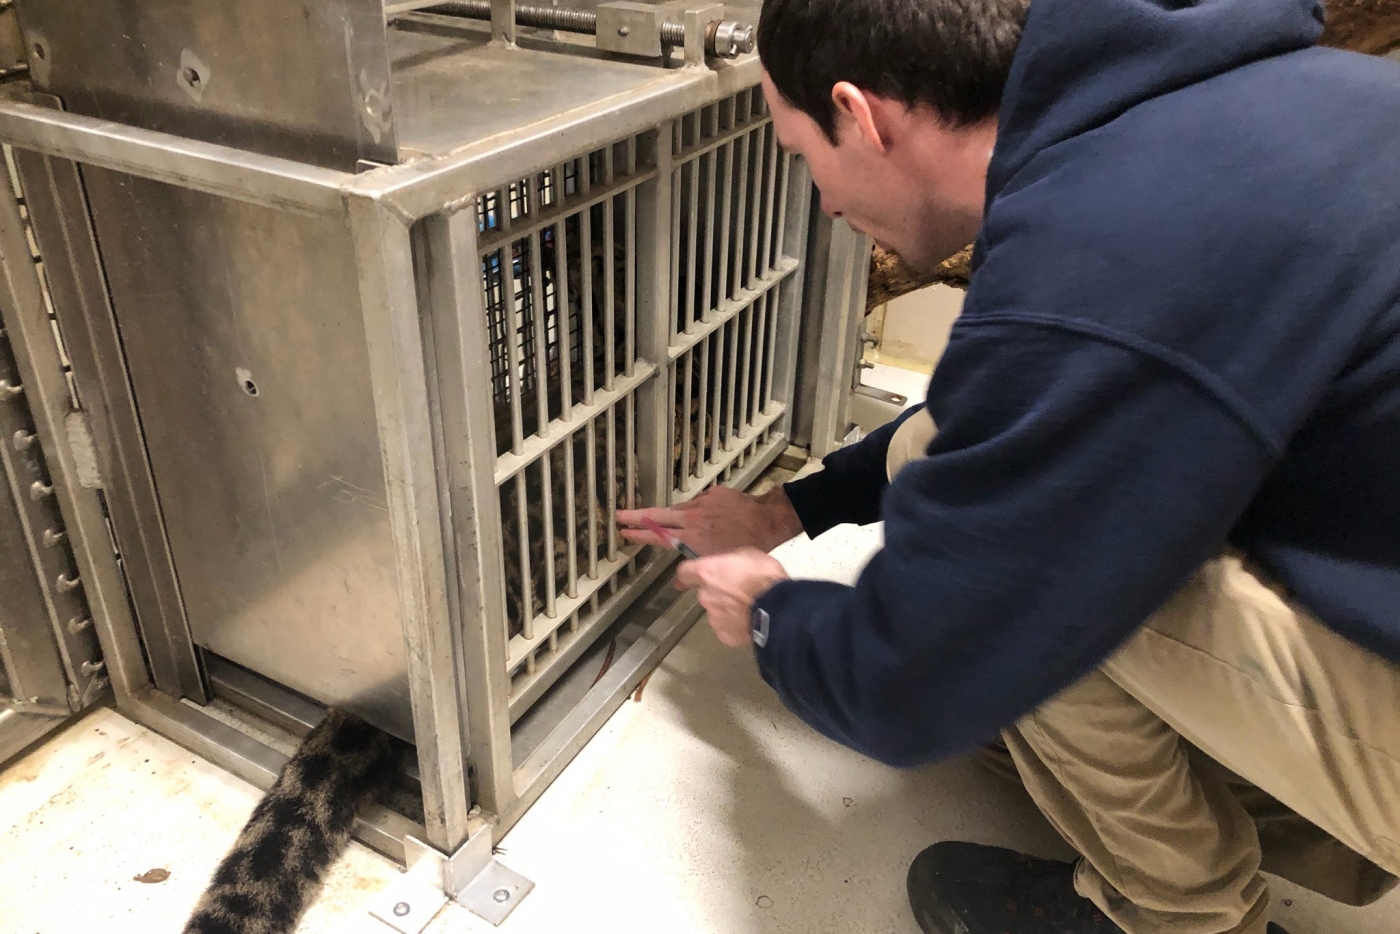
pixel 728 585
pixel 719 520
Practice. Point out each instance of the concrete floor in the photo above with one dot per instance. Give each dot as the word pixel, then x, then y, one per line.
pixel 704 807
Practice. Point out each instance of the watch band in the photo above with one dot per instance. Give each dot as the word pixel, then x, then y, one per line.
pixel 758 626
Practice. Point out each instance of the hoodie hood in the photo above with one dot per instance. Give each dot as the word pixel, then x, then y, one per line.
pixel 1081 63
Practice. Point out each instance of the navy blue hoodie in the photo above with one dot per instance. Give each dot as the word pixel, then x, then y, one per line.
pixel 1183 331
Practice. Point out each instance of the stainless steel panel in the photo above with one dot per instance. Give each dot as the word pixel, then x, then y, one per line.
pixel 306 81
pixel 451 87
pixel 248 362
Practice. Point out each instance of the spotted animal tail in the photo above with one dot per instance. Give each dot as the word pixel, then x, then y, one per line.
pixel 297 830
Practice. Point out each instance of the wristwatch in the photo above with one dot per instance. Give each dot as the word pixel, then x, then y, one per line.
pixel 758 626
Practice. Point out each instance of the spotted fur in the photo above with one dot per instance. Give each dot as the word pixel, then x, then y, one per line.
pixel 297 830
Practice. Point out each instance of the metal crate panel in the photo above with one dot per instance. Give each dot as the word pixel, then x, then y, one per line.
pixel 729 256
pixel 560 258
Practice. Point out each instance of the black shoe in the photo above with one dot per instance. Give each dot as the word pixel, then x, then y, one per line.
pixel 966 888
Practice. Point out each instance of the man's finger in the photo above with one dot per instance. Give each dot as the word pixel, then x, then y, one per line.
pixel 666 517
pixel 643 537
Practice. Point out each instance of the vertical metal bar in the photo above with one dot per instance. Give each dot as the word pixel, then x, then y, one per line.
pixel 630 272
pixel 591 435
pixel 725 200
pixel 631 444
pixel 760 356
pixel 740 215
pixel 654 400
pixel 561 305
pixel 746 316
pixel 549 570
pixel 612 481
pixel 672 387
pixel 585 257
pixel 504 219
pixel 756 186
pixel 780 241
pixel 514 382
pixel 609 293
pixel 538 315
pixel 707 303
pixel 773 301
pixel 389 301
pixel 683 420
pixel 731 329
pixel 571 507
pixel 771 190
pixel 717 339
pixel 704 394
pixel 522 520
pixel 675 242
pixel 693 243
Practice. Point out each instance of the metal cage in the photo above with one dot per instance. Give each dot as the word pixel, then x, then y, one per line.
pixel 360 413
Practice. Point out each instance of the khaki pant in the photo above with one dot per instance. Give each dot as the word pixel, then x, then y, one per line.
pixel 1232 734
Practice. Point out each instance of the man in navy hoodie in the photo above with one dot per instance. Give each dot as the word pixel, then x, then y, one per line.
pixel 1152 553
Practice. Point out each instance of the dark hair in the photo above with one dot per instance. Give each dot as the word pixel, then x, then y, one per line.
pixel 953 55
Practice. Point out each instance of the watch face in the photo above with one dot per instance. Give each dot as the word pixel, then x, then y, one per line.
pixel 758 625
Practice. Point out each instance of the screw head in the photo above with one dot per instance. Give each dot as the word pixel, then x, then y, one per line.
pixel 401 909
pixel 624 31
pixel 501 895
pixel 191 77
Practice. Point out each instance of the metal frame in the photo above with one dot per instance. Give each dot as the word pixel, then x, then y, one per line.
pixel 837 270
pixel 55 673
pixel 415 234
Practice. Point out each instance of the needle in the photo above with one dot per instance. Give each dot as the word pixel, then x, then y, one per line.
pixel 685 550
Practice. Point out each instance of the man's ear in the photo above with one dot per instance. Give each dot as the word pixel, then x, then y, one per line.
pixel 855 105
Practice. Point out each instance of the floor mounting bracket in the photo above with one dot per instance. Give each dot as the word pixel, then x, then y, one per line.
pixel 471 877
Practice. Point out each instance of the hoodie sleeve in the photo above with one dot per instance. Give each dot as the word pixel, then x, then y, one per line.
pixel 848 487
pixel 1075 483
